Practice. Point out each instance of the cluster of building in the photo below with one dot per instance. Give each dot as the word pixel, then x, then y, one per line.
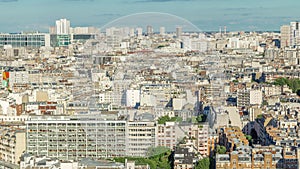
pixel 77 96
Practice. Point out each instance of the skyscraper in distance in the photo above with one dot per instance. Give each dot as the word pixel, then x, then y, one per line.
pixel 285 32
pixel 178 32
pixel 62 26
pixel 162 30
pixel 149 30
pixel 294 34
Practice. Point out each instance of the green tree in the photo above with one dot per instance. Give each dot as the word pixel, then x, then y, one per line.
pixel 164 119
pixel 248 137
pixel 203 164
pixel 153 151
pixel 293 84
pixel 221 149
pixel 281 81
pixel 157 161
pixel 201 118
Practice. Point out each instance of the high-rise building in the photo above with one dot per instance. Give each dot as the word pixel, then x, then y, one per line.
pixel 62 26
pixel 162 30
pixel 149 30
pixel 294 34
pixel 178 32
pixel 285 32
pixel 139 32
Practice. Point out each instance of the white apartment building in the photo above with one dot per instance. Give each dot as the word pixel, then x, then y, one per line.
pixel 245 98
pixel 272 90
pixel 73 138
pixel 141 136
pixel 132 97
pixel 12 145
pixel 156 94
pixel 83 136
pixel 169 134
pixel 256 97
pixel 62 26
pixel 294 33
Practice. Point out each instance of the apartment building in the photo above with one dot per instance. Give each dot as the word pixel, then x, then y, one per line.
pixel 232 137
pixel 272 157
pixel 245 98
pixel 90 136
pixel 184 159
pixel 199 135
pixel 73 138
pixel 141 135
pixel 12 145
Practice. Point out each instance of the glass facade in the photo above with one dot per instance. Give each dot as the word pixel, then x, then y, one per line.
pixel 60 40
pixel 23 40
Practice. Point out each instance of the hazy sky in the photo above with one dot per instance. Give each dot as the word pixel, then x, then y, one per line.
pixel 18 15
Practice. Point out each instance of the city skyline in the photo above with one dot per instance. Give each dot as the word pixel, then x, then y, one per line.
pixel 32 15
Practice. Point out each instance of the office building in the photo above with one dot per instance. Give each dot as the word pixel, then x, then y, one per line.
pixel 31 40
pixel 60 40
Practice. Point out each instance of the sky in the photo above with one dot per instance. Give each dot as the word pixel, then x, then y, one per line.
pixel 207 15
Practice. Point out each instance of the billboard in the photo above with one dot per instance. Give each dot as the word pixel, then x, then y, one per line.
pixel 5 79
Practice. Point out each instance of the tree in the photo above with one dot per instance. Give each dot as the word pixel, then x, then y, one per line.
pixel 152 151
pixel 259 116
pixel 203 164
pixel 201 118
pixel 157 161
pixel 221 149
pixel 293 84
pixel 164 119
pixel 248 137
pixel 281 81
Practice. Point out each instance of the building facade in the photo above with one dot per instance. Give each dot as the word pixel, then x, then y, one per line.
pixel 33 40
pixel 72 138
pixel 12 145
